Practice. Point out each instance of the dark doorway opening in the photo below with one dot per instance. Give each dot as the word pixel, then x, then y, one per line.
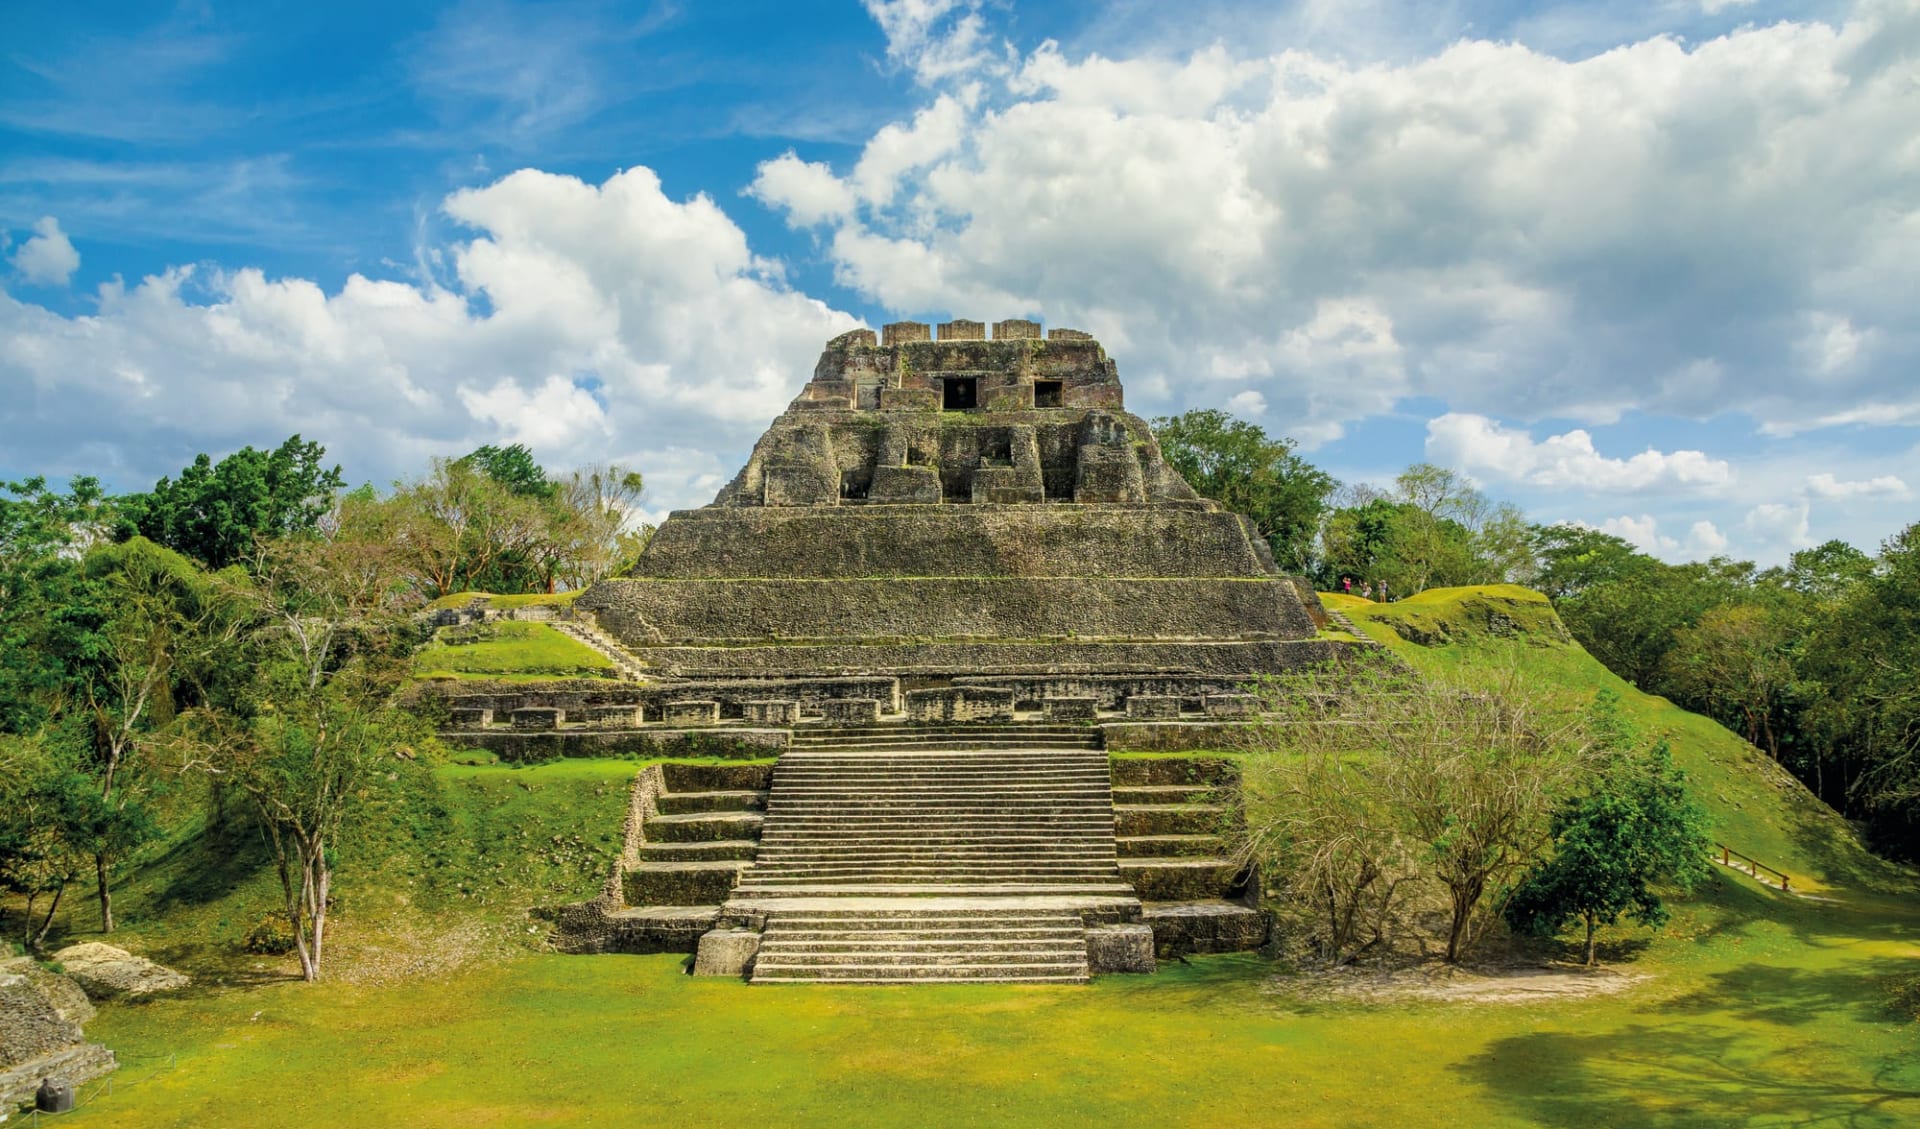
pixel 959 394
pixel 1046 393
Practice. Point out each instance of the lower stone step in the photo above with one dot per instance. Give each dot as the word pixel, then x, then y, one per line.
pixel 717 850
pixel 1181 879
pixel 1208 926
pixel 895 974
pixel 680 883
pixel 1163 846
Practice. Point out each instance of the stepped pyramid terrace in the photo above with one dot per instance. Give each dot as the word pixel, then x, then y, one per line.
pixel 953 587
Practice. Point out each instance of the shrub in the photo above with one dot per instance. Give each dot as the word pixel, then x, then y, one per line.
pixel 272 935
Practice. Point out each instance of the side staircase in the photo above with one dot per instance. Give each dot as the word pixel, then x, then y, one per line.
pixel 881 863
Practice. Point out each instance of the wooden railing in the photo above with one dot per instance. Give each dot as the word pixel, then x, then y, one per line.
pixel 1761 871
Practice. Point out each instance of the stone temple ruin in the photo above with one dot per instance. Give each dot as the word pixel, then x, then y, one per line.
pixel 953 581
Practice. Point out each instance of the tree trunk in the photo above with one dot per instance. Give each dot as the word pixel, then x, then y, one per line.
pixel 1589 918
pixel 47 923
pixel 106 892
pixel 1457 930
pixel 27 921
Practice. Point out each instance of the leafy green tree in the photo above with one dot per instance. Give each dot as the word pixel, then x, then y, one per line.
pixel 1239 465
pixel 214 511
pixel 513 467
pixel 315 731
pixel 1637 827
pixel 1865 659
pixel 1734 665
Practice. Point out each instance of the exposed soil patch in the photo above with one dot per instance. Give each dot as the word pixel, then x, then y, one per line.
pixel 1453 984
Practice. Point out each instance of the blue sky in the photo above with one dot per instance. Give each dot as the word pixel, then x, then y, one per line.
pixel 1649 266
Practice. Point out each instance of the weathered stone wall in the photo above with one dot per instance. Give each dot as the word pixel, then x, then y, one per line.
pixel 576 699
pixel 904 541
pixel 1224 660
pixel 530 748
pixel 643 613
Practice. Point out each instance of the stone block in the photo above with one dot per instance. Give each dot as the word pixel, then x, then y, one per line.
pixel 680 883
pixel 962 330
pixel 852 339
pixel 1181 879
pixel 612 717
pixel 1153 706
pixel 1230 705
pixel 691 713
pixel 1068 335
pixel 1008 398
pixel 1002 485
pixel 469 717
pixel 850 711
pixel 1016 329
pixel 1068 709
pixel 909 400
pixel 801 484
pixel 1120 948
pixel 960 703
pixel 727 952
pixel 904 333
pixel 536 717
pixel 1207 927
pixel 770 711
pixel 905 485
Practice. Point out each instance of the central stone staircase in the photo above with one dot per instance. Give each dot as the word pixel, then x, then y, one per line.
pixel 932 863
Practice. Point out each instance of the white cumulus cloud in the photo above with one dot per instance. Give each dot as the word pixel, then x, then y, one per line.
pixel 1703 538
pixel 48 257
pixel 589 321
pixel 1880 486
pixel 1686 229
pixel 1484 448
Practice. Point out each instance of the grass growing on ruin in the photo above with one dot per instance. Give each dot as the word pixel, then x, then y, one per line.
pixel 517 600
pixel 508 650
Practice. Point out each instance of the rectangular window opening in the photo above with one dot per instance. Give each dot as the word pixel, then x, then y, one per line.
pixel 958 394
pixel 1046 393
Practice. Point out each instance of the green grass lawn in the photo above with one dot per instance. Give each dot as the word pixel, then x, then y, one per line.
pixel 1750 1008
pixel 508 650
pixel 1758 1010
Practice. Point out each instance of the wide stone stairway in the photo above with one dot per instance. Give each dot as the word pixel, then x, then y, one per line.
pixel 929 863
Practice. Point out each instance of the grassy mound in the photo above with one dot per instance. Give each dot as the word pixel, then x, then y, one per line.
pixel 502 603
pixel 1757 806
pixel 509 650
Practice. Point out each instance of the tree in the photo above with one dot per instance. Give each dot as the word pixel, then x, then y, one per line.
pixel 1732 665
pixel 41 802
pixel 596 535
pixel 214 511
pixel 315 731
pixel 1238 465
pixel 1866 657
pixel 1637 826
pixel 1476 773
pixel 513 467
pixel 1454 780
pixel 1318 824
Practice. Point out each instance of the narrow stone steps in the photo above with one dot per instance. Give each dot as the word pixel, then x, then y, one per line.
pixel 687 803
pixel 1133 794
pixel 749 887
pixel 1157 846
pixel 703 826
pixel 714 850
pixel 896 974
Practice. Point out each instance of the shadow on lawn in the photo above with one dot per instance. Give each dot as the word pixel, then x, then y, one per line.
pixel 1687 1076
